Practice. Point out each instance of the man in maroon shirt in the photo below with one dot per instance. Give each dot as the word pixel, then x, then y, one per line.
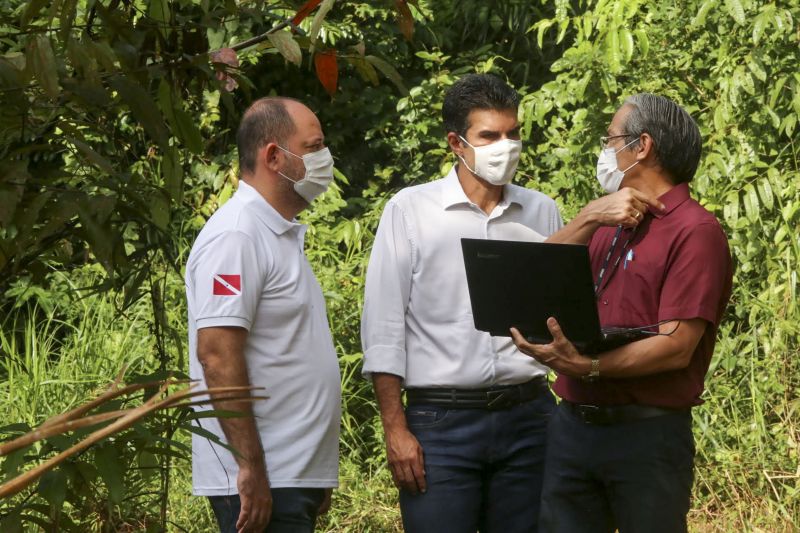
pixel 620 450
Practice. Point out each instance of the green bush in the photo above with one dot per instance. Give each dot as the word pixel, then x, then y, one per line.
pixel 110 162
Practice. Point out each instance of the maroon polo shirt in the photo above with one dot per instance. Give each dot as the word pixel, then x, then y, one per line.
pixel 680 269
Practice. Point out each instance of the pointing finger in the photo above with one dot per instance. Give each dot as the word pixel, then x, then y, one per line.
pixel 652 202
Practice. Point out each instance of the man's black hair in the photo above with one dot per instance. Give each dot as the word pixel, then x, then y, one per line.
pixel 475 91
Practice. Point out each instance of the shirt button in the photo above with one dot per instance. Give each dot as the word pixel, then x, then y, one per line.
pixel 605 302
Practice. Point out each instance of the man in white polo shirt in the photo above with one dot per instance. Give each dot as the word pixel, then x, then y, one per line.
pixel 257 317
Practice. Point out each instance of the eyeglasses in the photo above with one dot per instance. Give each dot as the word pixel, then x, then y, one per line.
pixel 606 138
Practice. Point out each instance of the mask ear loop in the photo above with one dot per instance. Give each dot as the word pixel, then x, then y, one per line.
pixel 464 160
pixel 621 149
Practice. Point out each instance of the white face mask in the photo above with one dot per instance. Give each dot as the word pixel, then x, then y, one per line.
pixel 608 174
pixel 318 176
pixel 495 163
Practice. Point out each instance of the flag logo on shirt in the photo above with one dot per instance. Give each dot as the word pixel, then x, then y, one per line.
pixel 227 284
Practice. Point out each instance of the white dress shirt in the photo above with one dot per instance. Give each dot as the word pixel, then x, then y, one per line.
pixel 417 321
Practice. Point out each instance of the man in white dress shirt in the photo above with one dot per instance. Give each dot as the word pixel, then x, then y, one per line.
pixel 467 454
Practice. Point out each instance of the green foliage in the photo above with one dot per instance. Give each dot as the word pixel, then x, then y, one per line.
pixel 49 365
pixel 116 144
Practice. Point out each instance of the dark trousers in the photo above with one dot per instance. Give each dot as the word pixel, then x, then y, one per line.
pixel 294 510
pixel 634 476
pixel 483 468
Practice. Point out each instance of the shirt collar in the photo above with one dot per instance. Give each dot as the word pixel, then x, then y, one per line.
pixel 263 210
pixel 453 194
pixel 672 199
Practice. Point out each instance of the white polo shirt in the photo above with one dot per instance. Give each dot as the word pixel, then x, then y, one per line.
pixel 247 268
pixel 417 321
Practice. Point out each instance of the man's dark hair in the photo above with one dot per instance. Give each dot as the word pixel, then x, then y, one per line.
pixel 266 120
pixel 675 134
pixel 475 91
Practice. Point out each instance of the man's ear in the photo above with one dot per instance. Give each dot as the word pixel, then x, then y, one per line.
pixel 271 156
pixel 455 143
pixel 646 148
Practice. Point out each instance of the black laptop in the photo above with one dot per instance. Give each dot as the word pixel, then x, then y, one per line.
pixel 521 284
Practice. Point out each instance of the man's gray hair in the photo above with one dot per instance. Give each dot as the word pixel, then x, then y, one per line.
pixel 675 134
pixel 266 120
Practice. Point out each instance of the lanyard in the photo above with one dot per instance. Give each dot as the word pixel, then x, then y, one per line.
pixel 602 273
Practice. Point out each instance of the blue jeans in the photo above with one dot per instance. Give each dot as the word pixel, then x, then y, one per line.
pixel 632 476
pixel 294 510
pixel 483 468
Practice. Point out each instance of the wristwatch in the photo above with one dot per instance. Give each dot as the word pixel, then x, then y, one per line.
pixel 594 371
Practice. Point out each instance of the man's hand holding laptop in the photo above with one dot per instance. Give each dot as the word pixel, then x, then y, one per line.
pixel 560 355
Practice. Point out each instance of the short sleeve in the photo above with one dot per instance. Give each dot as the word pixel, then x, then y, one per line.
pixel 697 280
pixel 226 280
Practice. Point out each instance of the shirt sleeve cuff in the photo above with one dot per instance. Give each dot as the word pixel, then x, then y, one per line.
pixel 687 313
pixel 217 321
pixel 384 360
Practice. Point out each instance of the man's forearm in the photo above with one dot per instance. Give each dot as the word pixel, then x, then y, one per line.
pixel 224 365
pixel 579 230
pixel 387 391
pixel 658 354
pixel 625 207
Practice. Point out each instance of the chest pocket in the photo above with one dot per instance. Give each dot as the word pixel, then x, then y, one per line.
pixel 639 277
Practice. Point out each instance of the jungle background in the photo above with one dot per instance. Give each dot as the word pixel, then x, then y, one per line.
pixel 117 142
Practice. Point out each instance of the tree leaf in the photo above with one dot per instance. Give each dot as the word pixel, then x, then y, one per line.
pixel 159 11
pixel 765 192
pixel 612 50
pixel 111 470
pixel 736 10
pixel 32 9
pixel 316 23
pixel 751 204
pixel 142 107
pixel 758 27
pixel 405 19
pixel 159 210
pixel 541 27
pixel 53 487
pixel 626 42
pixel 67 18
pixel 93 156
pixel 287 46
pixel 304 11
pixel 172 172
pixel 642 41
pixel 100 237
pixel 44 65
pixel 389 71
pixel 364 68
pixel 700 18
pixel 13 175
pixel 327 70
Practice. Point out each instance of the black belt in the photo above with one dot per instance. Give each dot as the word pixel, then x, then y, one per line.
pixel 604 415
pixel 492 399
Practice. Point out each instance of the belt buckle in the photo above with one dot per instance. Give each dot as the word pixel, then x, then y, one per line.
pixel 499 399
pixel 592 414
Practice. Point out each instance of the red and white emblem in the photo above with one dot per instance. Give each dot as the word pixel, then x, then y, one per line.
pixel 227 284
